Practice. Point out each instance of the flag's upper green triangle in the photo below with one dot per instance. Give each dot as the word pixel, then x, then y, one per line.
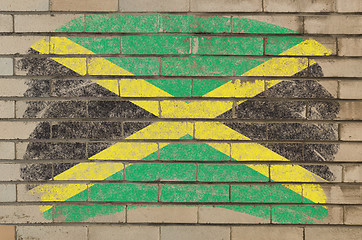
pixel 192 48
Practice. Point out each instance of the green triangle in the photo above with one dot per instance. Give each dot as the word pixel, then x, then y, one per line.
pixel 175 87
pixel 191 152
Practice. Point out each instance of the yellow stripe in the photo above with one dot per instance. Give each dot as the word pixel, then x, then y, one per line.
pixel 257 152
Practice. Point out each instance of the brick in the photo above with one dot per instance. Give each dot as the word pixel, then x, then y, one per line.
pixel 194 24
pixel 319 214
pixel 265 193
pixel 7 150
pixel 7 192
pixel 25 196
pixel 154 5
pixel 149 44
pixel 221 215
pixel 324 110
pixel 335 216
pixel 20 130
pixel 183 110
pixel 341 67
pixel 13 87
pixel 227 45
pixel 7 232
pixel 276 45
pixel 226 6
pixel 293 23
pixel 351 131
pixel 336 24
pixel 90 213
pixel 349 152
pixel 161 214
pixel 266 233
pixel 284 173
pixel 352 173
pixel 125 232
pixel 6 23
pixel 352 6
pixel 352 215
pixel 7 109
pixel 231 172
pixel 190 193
pixel 119 192
pixel 350 89
pixel 84 5
pixel 297 6
pixel 333 233
pixel 301 131
pixel 18 44
pixel 22 214
pixel 350 46
pixel 194 232
pixel 6 66
pixel 331 86
pixel 46 23
pixel 343 194
pixel 9 172
pixel 52 232
pixel 19 5
pixel 151 66
pixel 350 110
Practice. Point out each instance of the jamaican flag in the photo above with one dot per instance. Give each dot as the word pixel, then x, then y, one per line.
pixel 126 137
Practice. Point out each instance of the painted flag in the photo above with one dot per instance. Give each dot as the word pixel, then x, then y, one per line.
pixel 133 81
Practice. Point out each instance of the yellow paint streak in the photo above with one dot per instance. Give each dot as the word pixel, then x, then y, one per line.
pixel 196 109
pixel 57 192
pixel 111 85
pixel 164 130
pixel 90 171
pixel 62 45
pixel 42 46
pixel 124 151
pixel 78 65
pixel 314 192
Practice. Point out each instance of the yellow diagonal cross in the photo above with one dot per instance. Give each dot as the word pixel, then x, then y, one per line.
pixel 280 66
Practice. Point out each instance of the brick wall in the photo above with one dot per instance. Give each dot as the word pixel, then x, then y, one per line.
pixel 180 119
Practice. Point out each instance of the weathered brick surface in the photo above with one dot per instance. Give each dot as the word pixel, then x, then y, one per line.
pixel 6 23
pixel 351 131
pixel 226 6
pixel 162 214
pixel 7 150
pixel 7 232
pixel 349 6
pixel 16 214
pixel 349 89
pixel 126 232
pixel 353 215
pixel 180 119
pixel 194 233
pixel 42 23
pixel 19 5
pixel 7 193
pixel 297 6
pixel 51 232
pixel 154 6
pixel 6 66
pixel 333 24
pixel 83 5
pixel 249 232
pixel 322 233
pixel 350 47
pixel 352 173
